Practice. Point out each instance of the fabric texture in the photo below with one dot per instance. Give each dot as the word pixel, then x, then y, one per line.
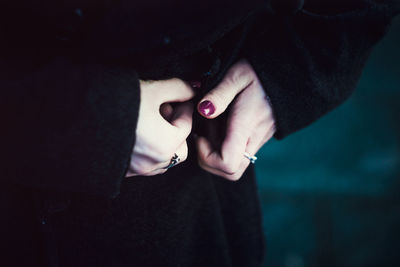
pixel 310 61
pixel 70 96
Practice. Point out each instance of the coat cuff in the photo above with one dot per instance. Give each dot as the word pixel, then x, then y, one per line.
pixel 72 127
pixel 309 64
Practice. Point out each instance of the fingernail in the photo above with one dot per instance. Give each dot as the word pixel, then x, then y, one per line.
pixel 195 84
pixel 206 108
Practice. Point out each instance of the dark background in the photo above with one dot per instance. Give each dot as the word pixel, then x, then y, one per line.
pixel 329 193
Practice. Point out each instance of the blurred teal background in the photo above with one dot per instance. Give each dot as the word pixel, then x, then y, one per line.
pixel 330 193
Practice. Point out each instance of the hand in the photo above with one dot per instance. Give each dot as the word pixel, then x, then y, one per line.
pixel 250 121
pixel 162 129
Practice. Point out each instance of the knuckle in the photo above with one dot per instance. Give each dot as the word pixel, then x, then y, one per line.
pixel 177 81
pixel 230 177
pixel 229 167
pixel 236 176
pixel 183 84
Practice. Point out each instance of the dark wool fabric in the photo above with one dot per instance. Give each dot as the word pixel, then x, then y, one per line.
pixel 69 104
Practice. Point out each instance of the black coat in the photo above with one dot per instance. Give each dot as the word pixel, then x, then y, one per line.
pixel 69 106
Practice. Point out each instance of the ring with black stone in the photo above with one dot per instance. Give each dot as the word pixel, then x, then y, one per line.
pixel 174 161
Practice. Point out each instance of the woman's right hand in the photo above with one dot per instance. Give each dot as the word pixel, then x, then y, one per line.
pixel 162 129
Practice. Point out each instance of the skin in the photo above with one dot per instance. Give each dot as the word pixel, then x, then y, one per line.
pixel 153 151
pixel 250 124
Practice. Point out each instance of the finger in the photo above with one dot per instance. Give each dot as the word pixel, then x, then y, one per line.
pixel 213 160
pixel 239 77
pixel 206 154
pixel 254 144
pixel 146 167
pixel 233 148
pixel 141 165
pixel 182 120
pixel 232 177
pixel 169 135
pixel 181 152
pixel 174 90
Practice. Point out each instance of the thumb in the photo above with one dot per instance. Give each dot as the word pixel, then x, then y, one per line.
pixel 238 78
pixel 171 90
pixel 177 90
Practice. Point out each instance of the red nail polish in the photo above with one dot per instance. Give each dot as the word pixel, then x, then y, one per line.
pixel 195 84
pixel 206 108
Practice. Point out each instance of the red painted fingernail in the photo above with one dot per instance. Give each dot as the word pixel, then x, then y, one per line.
pixel 195 84
pixel 206 108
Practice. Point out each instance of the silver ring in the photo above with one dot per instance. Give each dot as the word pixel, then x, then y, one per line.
pixel 250 157
pixel 174 161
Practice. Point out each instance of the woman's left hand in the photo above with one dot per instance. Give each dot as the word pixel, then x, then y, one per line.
pixel 250 122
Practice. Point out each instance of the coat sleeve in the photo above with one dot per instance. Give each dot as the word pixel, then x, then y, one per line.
pixel 309 57
pixel 68 123
pixel 68 115
pixel 69 127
